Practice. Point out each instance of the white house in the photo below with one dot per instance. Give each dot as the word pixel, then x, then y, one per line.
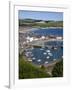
pixel 58 38
pixel 43 37
pixel 30 39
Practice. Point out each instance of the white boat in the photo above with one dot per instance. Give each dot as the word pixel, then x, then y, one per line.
pixel 46 62
pixel 44 53
pixel 55 48
pixel 33 58
pixel 41 49
pixel 47 57
pixel 50 54
pixel 48 51
pixel 39 60
pixel 54 59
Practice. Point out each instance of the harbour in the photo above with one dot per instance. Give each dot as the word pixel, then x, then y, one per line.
pixel 42 49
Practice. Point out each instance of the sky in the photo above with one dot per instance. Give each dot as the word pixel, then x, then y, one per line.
pixel 40 15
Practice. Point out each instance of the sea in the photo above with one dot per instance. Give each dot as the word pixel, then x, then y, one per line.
pixel 49 31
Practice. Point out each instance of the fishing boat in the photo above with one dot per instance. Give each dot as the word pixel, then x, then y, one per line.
pixel 46 62
pixel 50 54
pixel 47 57
pixel 44 53
pixel 39 60
pixel 47 50
pixel 33 58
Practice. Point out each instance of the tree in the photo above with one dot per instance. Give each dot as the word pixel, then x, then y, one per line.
pixel 43 67
pixel 58 69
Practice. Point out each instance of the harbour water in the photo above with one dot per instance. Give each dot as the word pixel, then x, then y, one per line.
pixel 46 55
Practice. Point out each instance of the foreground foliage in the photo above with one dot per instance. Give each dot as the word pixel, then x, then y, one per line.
pixel 58 69
pixel 27 70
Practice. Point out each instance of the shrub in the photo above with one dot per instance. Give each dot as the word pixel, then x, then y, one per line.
pixel 58 69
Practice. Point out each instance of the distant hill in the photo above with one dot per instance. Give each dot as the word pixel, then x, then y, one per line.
pixel 40 23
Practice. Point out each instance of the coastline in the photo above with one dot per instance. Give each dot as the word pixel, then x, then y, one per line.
pixel 23 29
